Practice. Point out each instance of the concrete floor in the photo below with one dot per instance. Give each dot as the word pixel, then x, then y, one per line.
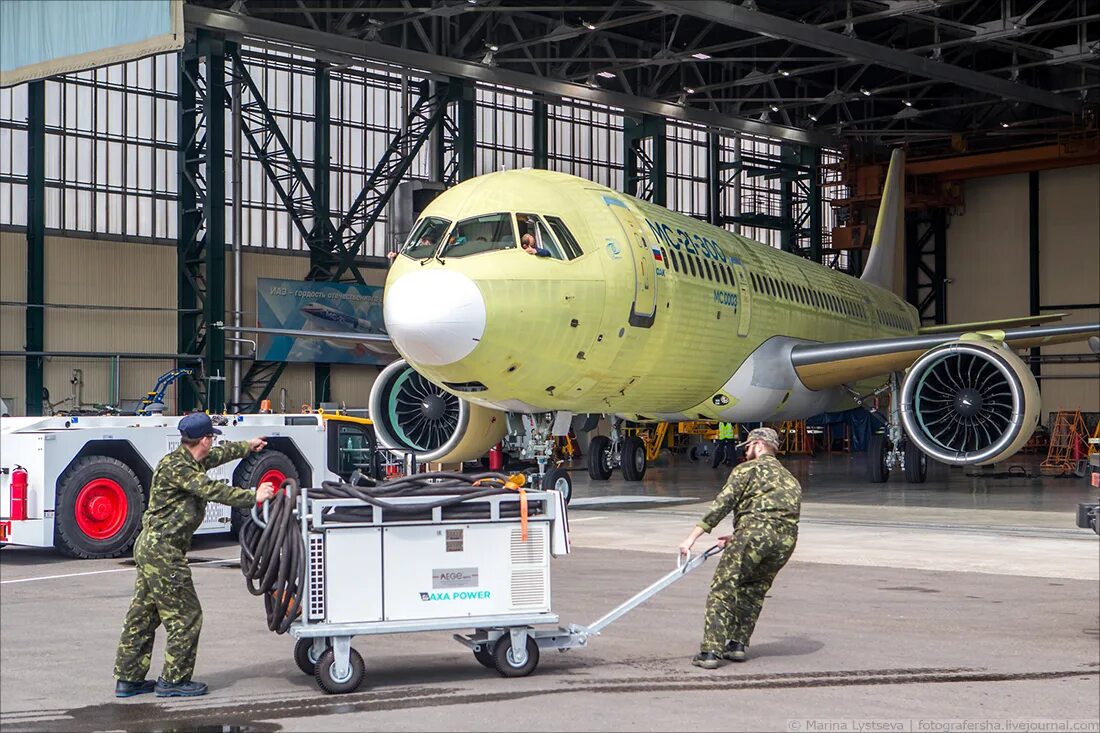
pixel 900 603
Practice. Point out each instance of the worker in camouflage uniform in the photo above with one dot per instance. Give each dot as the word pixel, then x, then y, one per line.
pixel 765 500
pixel 164 592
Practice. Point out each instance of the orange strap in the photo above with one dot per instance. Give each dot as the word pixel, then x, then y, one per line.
pixel 522 508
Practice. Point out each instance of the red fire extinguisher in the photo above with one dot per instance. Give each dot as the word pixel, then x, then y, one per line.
pixel 496 458
pixel 18 493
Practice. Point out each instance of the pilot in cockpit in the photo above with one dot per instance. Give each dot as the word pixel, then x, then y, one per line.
pixel 527 241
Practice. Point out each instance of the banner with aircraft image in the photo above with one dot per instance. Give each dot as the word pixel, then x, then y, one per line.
pixel 319 306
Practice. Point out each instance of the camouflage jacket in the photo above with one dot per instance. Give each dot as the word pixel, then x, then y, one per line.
pixel 757 490
pixel 181 488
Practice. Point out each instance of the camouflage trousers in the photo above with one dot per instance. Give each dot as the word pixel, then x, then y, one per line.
pixel 753 556
pixel 163 594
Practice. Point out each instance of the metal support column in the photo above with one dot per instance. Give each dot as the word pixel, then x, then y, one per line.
pixel 926 264
pixel 540 129
pixel 714 180
pixel 1033 260
pixel 322 137
pixel 813 195
pixel 467 128
pixel 201 233
pixel 36 245
pixel 786 214
pixel 644 158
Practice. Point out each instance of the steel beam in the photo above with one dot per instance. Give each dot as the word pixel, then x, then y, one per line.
pixel 443 68
pixel 540 128
pixel 1033 260
pixel 644 158
pixel 772 26
pixel 189 214
pixel 36 246
pixel 814 203
pixel 714 179
pixel 321 260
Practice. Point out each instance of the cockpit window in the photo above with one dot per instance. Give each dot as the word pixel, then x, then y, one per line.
pixel 425 237
pixel 568 243
pixel 480 234
pixel 530 224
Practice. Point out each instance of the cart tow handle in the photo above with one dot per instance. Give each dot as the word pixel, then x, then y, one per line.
pixel 683 567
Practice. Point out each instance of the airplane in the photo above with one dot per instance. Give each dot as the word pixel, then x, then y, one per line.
pixel 644 314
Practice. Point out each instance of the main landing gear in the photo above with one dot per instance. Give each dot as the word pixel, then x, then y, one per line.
pixel 605 454
pixel 889 448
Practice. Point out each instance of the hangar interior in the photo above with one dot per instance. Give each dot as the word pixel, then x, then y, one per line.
pixel 144 199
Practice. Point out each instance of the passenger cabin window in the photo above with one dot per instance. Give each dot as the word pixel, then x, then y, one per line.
pixel 534 225
pixel 486 233
pixel 425 237
pixel 565 238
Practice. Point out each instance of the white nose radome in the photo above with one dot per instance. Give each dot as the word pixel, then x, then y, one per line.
pixel 435 317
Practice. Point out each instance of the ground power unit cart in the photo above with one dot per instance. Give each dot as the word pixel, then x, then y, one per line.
pixel 428 552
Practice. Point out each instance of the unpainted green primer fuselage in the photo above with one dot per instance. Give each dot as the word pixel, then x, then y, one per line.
pixel 558 334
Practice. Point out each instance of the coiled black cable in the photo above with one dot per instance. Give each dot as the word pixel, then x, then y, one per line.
pixel 274 559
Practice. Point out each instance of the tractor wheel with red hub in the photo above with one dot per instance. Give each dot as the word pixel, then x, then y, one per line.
pixel 257 468
pixel 98 510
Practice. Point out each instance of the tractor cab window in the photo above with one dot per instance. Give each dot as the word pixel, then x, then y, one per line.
pixel 486 233
pixel 425 237
pixel 536 227
pixel 351 446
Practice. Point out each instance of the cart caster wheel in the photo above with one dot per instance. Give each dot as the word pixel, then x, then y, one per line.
pixel 484 656
pixel 505 662
pixel 323 673
pixel 304 657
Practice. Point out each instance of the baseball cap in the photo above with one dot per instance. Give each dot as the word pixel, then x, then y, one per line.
pixel 197 425
pixel 765 435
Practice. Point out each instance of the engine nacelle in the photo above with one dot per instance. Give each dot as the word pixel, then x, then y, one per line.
pixel 969 403
pixel 411 414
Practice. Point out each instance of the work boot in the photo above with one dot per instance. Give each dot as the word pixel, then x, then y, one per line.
pixel 706 660
pixel 190 688
pixel 734 651
pixel 125 688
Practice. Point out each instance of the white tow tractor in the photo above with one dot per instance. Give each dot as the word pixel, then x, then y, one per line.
pixel 80 484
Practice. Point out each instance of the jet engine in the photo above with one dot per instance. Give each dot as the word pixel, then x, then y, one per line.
pixel 969 403
pixel 412 414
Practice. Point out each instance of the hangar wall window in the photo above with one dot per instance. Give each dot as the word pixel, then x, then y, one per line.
pixel 507 112
pixel 586 140
pixel 686 177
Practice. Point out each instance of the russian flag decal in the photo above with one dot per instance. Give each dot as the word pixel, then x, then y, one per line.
pixel 657 255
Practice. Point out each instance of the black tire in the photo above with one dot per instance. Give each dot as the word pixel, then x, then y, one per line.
pixel 599 458
pixel 303 656
pixel 633 459
pixel 323 673
pixel 877 471
pixel 694 453
pixel 484 655
pixel 87 536
pixel 248 475
pixel 502 658
pixel 559 479
pixel 916 463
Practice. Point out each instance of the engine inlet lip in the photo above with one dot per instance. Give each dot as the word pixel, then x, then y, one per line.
pixel 379 414
pixel 911 422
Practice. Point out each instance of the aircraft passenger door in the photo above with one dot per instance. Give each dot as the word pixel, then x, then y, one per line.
pixel 643 311
pixel 744 297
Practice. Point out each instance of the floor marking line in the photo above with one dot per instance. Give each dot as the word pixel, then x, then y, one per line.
pixel 101 572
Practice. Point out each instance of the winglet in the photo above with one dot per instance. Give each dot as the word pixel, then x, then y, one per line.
pixel 889 234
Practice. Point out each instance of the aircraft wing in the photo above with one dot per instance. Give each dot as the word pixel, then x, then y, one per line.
pixel 1002 323
pixel 377 342
pixel 821 366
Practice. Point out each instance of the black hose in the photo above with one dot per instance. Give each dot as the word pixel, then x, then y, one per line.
pixel 274 558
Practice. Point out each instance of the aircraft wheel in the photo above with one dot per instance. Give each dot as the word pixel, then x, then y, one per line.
pixel 633 460
pixel 877 470
pixel 599 458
